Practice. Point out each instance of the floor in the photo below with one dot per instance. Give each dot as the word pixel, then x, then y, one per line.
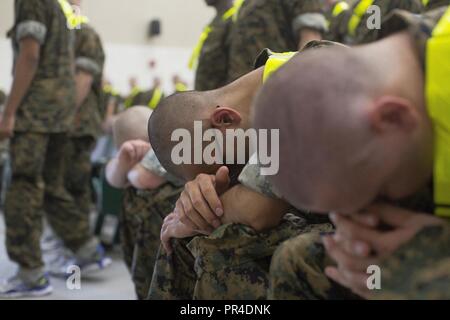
pixel 112 283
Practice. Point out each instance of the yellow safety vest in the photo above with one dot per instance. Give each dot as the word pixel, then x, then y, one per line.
pixel 110 90
pixel 425 2
pixel 134 92
pixel 358 13
pixel 339 8
pixel 230 13
pixel 438 105
pixel 275 61
pixel 73 20
pixel 156 98
pixel 180 87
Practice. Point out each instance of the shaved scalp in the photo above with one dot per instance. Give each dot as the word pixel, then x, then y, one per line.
pixel 175 112
pixel 317 100
pixel 131 125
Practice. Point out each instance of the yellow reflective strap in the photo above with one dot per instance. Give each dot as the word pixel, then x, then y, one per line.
pixel 193 61
pixel 134 92
pixel 425 2
pixel 237 6
pixel 339 8
pixel 438 105
pixel 180 87
pixel 275 61
pixel 156 98
pixel 359 11
pixel 73 20
pixel 229 13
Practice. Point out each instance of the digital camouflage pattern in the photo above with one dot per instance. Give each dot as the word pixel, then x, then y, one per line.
pixel 77 172
pixel 339 30
pixel 232 263
pixel 142 217
pixel 2 98
pixel 273 24
pixel 49 104
pixel 89 58
pixel 297 270
pixel 212 66
pixel 420 269
pixel 37 186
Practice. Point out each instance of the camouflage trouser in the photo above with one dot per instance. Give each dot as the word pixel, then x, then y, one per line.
pixel 78 169
pixel 142 218
pixel 38 186
pixel 232 263
pixel 420 269
pixel 297 270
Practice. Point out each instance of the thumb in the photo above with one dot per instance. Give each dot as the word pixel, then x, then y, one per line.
pixel 222 180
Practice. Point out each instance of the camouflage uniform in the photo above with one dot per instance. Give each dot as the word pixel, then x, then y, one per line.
pixel 273 24
pixel 37 149
pixel 90 58
pixel 212 66
pixel 2 98
pixel 339 30
pixel 233 262
pixel 427 270
pixel 142 216
pixel 427 275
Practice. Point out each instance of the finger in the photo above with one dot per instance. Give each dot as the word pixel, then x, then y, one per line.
pixel 179 211
pixel 192 214
pixel 201 205
pixel 209 192
pixel 334 274
pixel 222 179
pixel 343 259
pixel 165 241
pixel 353 247
pixel 351 230
pixel 390 215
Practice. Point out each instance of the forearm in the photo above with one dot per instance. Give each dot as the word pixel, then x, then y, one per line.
pixel 244 206
pixel 25 70
pixel 116 174
pixel 83 81
pixel 143 179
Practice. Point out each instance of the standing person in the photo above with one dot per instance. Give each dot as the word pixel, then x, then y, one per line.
pixel 37 118
pixel 281 25
pixel 351 27
pixel 89 62
pixel 210 56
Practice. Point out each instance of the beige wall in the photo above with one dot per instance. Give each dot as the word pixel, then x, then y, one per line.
pixel 126 21
pixel 123 27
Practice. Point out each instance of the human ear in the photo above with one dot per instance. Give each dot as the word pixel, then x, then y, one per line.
pixel 390 113
pixel 224 117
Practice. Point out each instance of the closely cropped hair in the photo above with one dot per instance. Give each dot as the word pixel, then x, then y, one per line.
pixel 131 125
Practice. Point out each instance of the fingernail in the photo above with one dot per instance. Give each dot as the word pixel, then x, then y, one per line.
pixel 219 212
pixel 359 249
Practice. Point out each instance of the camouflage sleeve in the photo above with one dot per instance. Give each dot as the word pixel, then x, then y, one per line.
pixel 88 51
pixel 151 163
pixel 306 14
pixel 420 269
pixel 251 178
pixel 31 20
